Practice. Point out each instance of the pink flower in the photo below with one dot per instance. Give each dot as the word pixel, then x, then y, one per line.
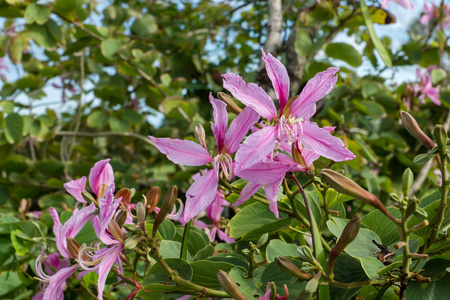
pixel 291 124
pixel 424 88
pixel 214 213
pixel 404 3
pixel 203 190
pixel 432 12
pixel 101 173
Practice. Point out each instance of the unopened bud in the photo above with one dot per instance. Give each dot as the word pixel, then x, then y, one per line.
pixel 200 135
pixel 440 136
pixel 73 246
pixel 411 207
pixel 88 197
pixel 297 156
pixel 125 194
pixel 347 186
pixel 132 242
pixel 306 254
pixel 413 128
pixel 153 198
pixel 140 214
pixel 116 231
pixel 287 106
pixel 230 103
pixel 272 287
pixel 169 202
pixel 262 240
pixel 419 255
pixel 229 286
pixel 102 190
pixel 121 218
pixel 348 235
pixel 421 225
pixel 291 269
pixel 407 181
pixel 421 279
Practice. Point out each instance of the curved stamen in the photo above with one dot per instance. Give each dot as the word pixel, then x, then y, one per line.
pixel 43 277
pixel 176 214
pixel 86 253
pixel 225 162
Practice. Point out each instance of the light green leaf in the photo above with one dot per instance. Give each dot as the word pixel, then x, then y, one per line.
pixel 382 225
pixel 279 248
pixel 345 52
pixel 13 128
pixel 245 285
pixel 37 13
pixel 110 47
pixel 373 35
pixel 371 266
pixel 119 125
pixel 97 119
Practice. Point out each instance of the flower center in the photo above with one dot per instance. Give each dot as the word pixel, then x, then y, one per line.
pixel 225 162
pixel 291 127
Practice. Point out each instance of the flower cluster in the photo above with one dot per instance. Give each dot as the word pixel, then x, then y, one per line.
pixel 423 89
pixel 281 141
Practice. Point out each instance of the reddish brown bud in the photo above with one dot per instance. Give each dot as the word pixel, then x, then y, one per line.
pixel 296 156
pixel 291 269
pixel 73 246
pixel 153 198
pixel 169 202
pixel 231 106
pixel 348 235
pixel 413 128
pixel 125 194
pixel 347 186
pixel 229 286
pixel 116 231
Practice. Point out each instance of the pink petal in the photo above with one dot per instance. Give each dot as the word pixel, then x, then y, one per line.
pixel 264 172
pixel 256 147
pixel 107 208
pixel 182 152
pixel 219 128
pixel 76 187
pixel 323 143
pixel 215 209
pixel 58 283
pixel 271 192
pixel 200 195
pixel 250 94
pixel 316 88
pixel 224 237
pixel 279 77
pixel 105 266
pixel 239 128
pixel 101 172
pixel 249 190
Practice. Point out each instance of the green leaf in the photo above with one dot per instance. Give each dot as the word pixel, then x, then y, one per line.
pixel 144 26
pixel 437 75
pixel 205 272
pixel 9 281
pixel 20 246
pixel 279 248
pixel 423 158
pixel 231 258
pixel 245 285
pixel 383 226
pixel 204 253
pixel 371 266
pixel 132 116
pixel 373 35
pixel 254 220
pixel 432 216
pixel 37 13
pixel 157 274
pixel 110 47
pixel 167 230
pixel 8 107
pixel 439 289
pixel 30 228
pixel 50 167
pixel 13 128
pixel 97 119
pixel 119 125
pixel 42 35
pixel 362 246
pixel 170 249
pixel 345 52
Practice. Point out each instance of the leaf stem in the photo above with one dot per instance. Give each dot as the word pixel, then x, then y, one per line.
pixel 184 245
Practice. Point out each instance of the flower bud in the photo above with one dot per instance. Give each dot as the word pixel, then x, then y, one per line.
pixel 407 181
pixel 169 202
pixel 230 103
pixel 413 128
pixel 306 254
pixel 88 197
pixel 348 235
pixel 140 214
pixel 200 135
pixel 132 242
pixel 440 136
pixel 73 246
pixel 121 218
pixel 411 207
pixel 297 156
pixel 116 231
pixel 291 269
pixel 153 198
pixel 421 225
pixel 347 186
pixel 125 194
pixel 229 286
pixel 262 240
